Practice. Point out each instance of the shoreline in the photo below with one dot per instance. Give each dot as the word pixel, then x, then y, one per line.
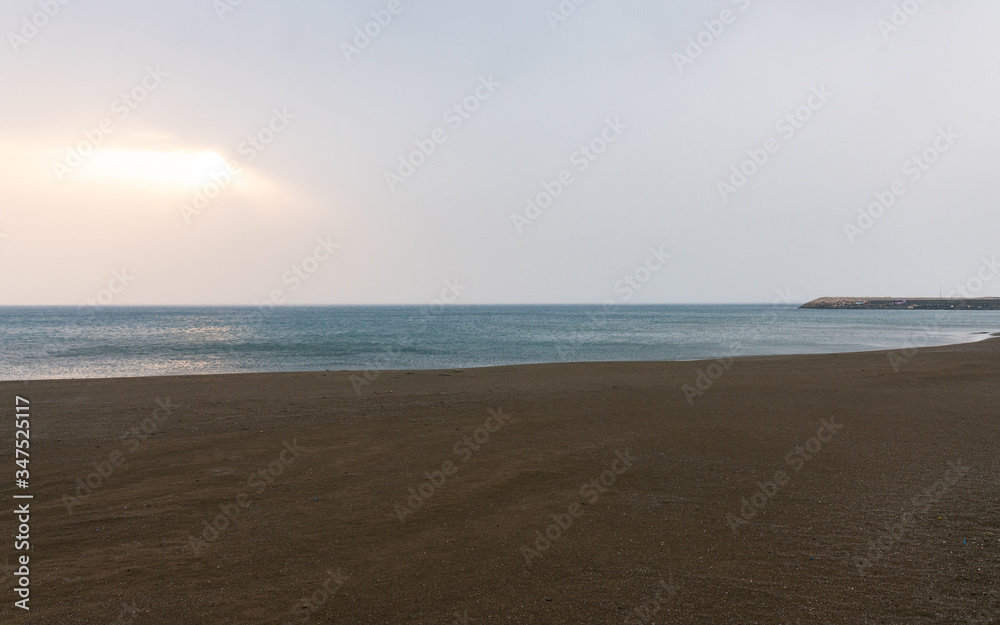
pixel 974 338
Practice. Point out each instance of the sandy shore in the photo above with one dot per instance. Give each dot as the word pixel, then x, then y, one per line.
pixel 810 489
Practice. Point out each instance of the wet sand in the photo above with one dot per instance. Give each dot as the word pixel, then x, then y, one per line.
pixel 806 489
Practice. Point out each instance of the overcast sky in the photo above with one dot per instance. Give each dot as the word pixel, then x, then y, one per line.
pixel 119 120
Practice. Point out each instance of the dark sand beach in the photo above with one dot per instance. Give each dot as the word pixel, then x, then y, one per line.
pixel 880 503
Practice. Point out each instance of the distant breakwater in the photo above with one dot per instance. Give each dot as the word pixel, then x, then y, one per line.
pixel 899 303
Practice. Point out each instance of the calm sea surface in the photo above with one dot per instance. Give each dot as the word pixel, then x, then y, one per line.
pixel 69 342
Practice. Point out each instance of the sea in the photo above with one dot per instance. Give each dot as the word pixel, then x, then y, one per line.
pixel 104 342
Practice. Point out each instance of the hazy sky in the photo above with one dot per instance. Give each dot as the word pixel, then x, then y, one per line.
pixel 120 119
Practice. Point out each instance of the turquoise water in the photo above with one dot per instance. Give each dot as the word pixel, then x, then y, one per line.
pixel 53 342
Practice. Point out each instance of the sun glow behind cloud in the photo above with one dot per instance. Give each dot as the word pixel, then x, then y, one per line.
pixel 166 171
